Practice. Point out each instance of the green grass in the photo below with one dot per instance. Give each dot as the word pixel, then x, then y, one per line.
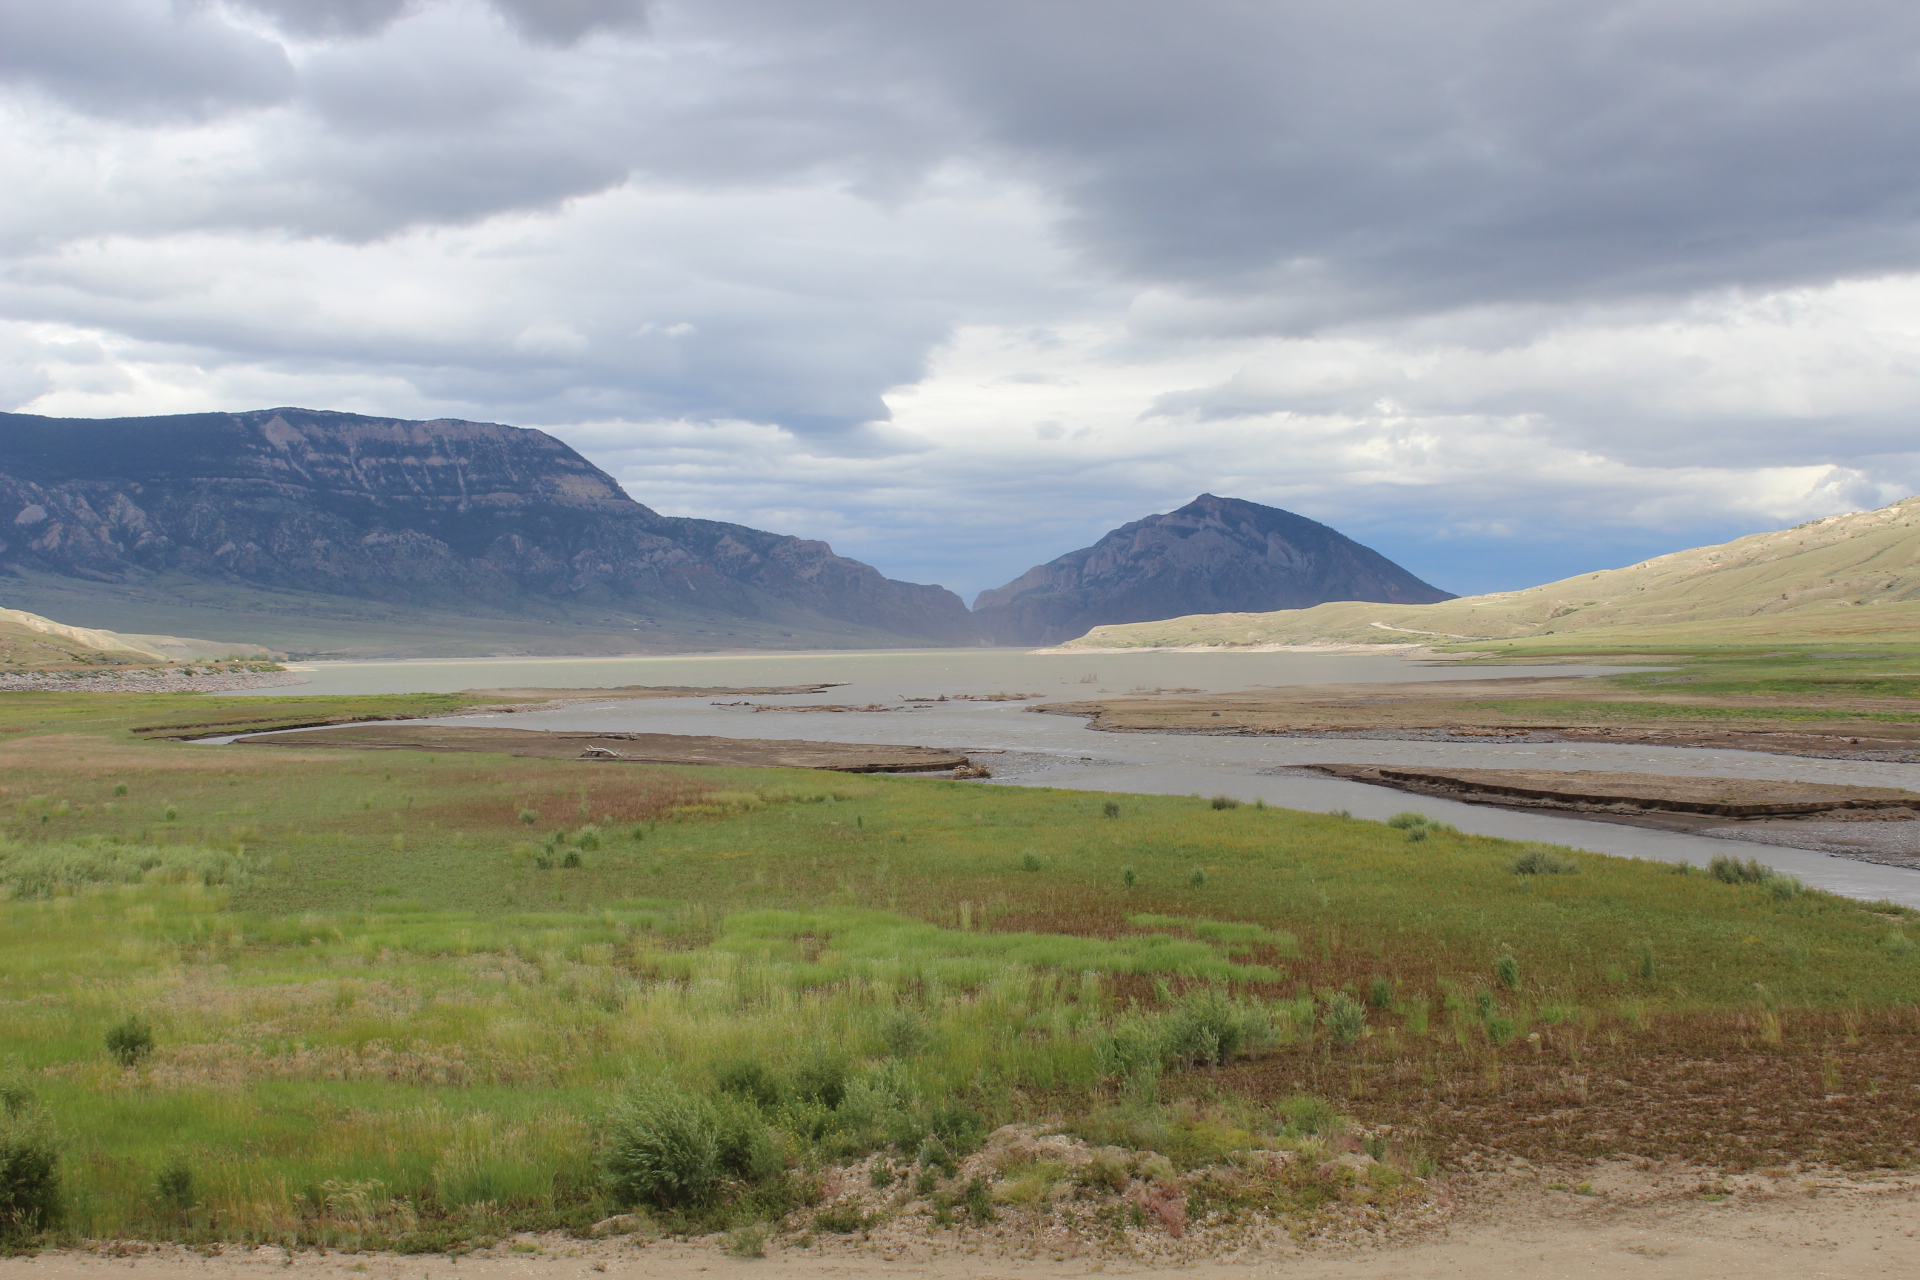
pixel 377 1017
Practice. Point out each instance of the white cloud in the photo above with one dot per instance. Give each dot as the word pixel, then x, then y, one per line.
pixel 1496 288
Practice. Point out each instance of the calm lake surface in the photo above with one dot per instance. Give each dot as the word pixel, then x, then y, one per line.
pixel 1060 751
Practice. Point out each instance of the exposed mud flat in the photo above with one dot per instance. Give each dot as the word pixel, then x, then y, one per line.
pixel 1872 824
pixel 1487 710
pixel 631 748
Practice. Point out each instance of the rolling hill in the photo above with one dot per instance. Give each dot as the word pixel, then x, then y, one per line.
pixel 1853 577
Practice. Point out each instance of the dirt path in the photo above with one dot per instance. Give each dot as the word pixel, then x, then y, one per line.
pixel 1829 1229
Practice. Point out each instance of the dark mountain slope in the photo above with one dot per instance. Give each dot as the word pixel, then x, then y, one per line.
pixel 454 517
pixel 1214 555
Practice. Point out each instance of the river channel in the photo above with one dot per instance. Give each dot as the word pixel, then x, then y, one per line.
pixel 1028 749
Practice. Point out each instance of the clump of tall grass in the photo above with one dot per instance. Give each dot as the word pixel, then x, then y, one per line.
pixel 1730 870
pixel 1538 860
pixel 1419 826
pixel 1345 1018
pixel 49 870
pixel 1224 802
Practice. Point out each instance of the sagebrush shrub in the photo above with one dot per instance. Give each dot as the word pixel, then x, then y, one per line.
pixel 1507 970
pixel 1224 802
pixel 1408 819
pixel 173 1185
pixel 29 1176
pixel 1380 995
pixel 662 1148
pixel 1541 861
pixel 130 1040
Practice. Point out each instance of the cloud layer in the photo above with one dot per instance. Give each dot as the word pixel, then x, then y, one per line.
pixel 1507 289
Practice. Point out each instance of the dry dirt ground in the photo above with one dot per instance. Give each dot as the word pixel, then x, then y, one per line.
pixel 1636 1224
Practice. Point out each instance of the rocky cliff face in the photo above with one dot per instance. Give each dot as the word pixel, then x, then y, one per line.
pixel 1214 555
pixel 465 517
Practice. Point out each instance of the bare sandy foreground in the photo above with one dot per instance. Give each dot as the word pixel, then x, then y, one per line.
pixel 1822 1231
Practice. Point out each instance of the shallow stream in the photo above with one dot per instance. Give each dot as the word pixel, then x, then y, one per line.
pixel 1060 751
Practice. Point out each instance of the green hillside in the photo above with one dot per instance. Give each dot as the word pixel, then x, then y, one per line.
pixel 1845 578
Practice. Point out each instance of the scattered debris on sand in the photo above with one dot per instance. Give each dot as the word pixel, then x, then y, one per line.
pixel 633 748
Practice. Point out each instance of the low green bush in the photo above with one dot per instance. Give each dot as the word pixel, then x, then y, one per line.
pixel 662 1148
pixel 130 1040
pixel 1542 861
pixel 29 1175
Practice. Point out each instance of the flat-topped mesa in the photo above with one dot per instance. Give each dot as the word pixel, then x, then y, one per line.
pixel 475 518
pixel 1212 555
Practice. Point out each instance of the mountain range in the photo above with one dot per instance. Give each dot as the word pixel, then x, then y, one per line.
pixel 277 520
pixel 322 532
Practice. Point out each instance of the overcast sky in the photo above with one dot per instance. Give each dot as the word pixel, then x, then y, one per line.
pixel 1506 290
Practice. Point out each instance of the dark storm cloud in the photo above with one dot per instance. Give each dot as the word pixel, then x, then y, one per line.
pixel 1341 158
pixel 139 61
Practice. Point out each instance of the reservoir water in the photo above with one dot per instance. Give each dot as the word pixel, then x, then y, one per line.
pixel 1060 751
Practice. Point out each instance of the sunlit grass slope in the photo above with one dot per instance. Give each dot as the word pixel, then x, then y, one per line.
pixel 1845 578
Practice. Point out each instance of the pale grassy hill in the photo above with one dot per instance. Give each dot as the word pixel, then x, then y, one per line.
pixel 29 641
pixel 1844 578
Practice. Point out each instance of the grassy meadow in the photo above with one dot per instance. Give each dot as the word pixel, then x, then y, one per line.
pixel 400 999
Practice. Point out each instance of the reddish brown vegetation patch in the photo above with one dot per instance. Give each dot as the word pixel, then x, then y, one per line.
pixel 1709 1088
